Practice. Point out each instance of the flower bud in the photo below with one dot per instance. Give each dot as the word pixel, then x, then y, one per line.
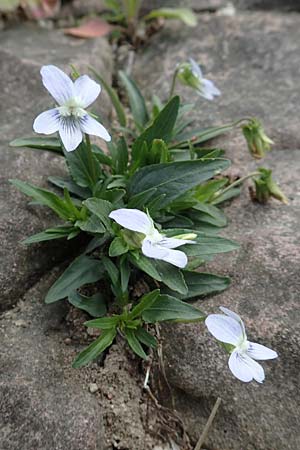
pixel 265 187
pixel 257 140
pixel 190 74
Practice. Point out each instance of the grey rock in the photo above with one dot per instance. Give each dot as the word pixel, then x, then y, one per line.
pixel 253 59
pixel 213 5
pixel 42 406
pixel 23 51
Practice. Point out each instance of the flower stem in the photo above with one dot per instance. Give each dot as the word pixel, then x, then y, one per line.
pixel 91 162
pixel 236 183
pixel 173 84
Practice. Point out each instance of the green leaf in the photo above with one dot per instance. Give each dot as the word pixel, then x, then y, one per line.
pixel 124 272
pixel 231 193
pixel 91 225
pixel 111 269
pixel 114 99
pixel 146 301
pixel 209 245
pixel 49 234
pixel 171 276
pixel 134 344
pixel 94 305
pixel 145 337
pixel 186 15
pixel 104 323
pixel 200 284
pixel 71 186
pixel 175 178
pixel 136 100
pixel 102 157
pixel 113 195
pixel 51 144
pixel 161 128
pixel 204 212
pixel 202 135
pixel 78 163
pixel 101 209
pixel 146 265
pixel 83 270
pixel 121 160
pixel 46 198
pixel 166 307
pixel 206 191
pixel 95 349
pixel 117 247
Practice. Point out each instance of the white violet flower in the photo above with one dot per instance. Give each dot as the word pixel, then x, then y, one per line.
pixel 154 245
pixel 191 75
pixel 69 118
pixel 230 329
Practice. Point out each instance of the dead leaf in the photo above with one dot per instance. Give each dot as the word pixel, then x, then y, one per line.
pixel 90 29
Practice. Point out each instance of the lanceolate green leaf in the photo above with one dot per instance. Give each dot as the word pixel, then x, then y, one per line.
pixel 210 245
pixel 202 135
pixel 83 270
pixel 161 128
pixel 51 144
pixel 134 344
pixel 45 197
pixel 170 308
pixel 171 276
pixel 176 178
pixel 96 348
pixel 146 301
pixel 114 99
pixel 101 209
pixel 136 100
pixel 79 166
pixel 186 15
pixel 145 337
pixel 200 284
pixel 94 305
pixel 50 234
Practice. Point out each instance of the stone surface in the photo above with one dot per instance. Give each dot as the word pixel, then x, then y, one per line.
pixel 253 60
pixel 212 5
pixel 42 407
pixel 23 51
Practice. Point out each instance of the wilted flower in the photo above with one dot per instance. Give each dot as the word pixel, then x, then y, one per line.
pixel 154 244
pixel 190 74
pixel 230 329
pixel 265 187
pixel 257 140
pixel 69 118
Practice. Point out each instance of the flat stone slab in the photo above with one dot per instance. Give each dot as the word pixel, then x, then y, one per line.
pixel 254 60
pixel 42 407
pixel 23 51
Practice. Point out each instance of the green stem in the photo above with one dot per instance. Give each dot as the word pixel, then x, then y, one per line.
pixel 173 84
pixel 236 183
pixel 91 161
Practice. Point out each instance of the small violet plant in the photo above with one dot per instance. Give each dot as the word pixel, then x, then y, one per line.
pixel 157 185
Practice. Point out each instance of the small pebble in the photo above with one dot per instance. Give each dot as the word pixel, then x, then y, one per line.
pixel 68 341
pixel 93 387
pixel 21 323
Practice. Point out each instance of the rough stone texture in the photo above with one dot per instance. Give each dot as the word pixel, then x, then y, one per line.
pixel 41 406
pixel 212 5
pixel 23 51
pixel 253 59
